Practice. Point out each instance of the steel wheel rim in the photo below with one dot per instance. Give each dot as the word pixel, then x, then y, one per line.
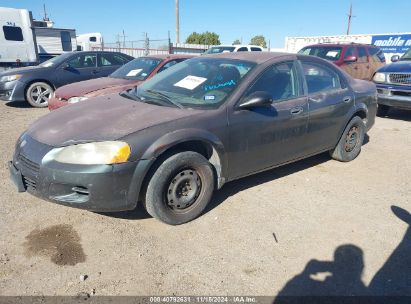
pixel 183 190
pixel 352 139
pixel 40 94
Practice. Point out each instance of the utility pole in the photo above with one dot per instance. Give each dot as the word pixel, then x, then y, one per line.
pixel 177 23
pixel 45 18
pixel 350 16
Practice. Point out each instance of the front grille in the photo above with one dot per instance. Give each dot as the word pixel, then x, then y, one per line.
pixel 401 93
pixel 29 183
pixel 400 78
pixel 27 163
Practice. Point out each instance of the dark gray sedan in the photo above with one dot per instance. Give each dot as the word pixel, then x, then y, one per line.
pixel 173 140
pixel 37 84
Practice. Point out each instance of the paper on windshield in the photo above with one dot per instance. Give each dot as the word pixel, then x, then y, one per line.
pixel 190 82
pixel 134 72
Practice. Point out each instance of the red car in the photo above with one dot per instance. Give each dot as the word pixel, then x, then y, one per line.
pixel 124 78
pixel 361 61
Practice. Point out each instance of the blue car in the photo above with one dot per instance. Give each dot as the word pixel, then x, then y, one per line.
pixel 394 84
pixel 37 84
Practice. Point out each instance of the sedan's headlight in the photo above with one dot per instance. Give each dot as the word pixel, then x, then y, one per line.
pixel 76 99
pixel 97 153
pixel 10 78
pixel 380 77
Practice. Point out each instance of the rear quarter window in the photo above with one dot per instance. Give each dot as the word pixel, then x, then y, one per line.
pixel 376 55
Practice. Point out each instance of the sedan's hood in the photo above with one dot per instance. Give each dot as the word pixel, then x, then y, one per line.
pixel 24 70
pixel 397 67
pixel 88 86
pixel 102 118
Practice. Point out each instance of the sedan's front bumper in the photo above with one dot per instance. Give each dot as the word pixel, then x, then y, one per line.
pixel 12 90
pixel 104 188
pixel 394 96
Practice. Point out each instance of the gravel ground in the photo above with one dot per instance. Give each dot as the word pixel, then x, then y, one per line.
pixel 257 235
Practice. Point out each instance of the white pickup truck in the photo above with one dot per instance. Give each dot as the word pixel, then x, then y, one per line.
pixel 233 48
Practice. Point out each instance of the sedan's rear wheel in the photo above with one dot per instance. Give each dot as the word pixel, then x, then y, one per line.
pixel 38 94
pixel 349 145
pixel 180 188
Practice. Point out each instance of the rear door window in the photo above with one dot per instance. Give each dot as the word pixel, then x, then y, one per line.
pixel 242 49
pixel 12 33
pixel 255 49
pixel 362 54
pixel 320 78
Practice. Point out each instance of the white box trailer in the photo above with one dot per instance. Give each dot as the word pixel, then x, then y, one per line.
pixel 23 43
pixel 391 44
pixel 54 41
pixel 17 42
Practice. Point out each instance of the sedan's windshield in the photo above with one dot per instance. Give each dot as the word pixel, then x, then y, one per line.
pixel 137 69
pixel 197 83
pixel 406 56
pixel 220 49
pixel 55 61
pixel 332 53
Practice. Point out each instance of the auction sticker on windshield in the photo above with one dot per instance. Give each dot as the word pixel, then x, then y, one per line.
pixel 134 72
pixel 190 82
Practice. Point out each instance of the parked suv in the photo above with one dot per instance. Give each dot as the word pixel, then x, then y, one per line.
pixel 359 60
pixel 394 84
pixel 37 84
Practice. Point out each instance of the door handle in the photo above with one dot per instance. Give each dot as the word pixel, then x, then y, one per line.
pixel 316 100
pixel 347 99
pixel 296 110
pixel 95 72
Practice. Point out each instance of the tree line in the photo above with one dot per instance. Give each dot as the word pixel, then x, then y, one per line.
pixel 211 38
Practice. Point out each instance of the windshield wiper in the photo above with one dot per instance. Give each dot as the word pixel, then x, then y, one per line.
pixel 165 97
pixel 126 94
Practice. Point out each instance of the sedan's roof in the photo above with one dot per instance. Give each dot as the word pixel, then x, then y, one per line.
pixel 257 57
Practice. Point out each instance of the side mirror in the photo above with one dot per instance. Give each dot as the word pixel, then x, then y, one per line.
pixel 256 100
pixel 350 59
pixel 395 58
pixel 66 66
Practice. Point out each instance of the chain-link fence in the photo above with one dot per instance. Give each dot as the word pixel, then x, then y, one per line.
pixel 137 48
pixel 147 46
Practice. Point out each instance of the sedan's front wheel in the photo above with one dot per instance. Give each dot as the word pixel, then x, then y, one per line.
pixel 180 188
pixel 38 94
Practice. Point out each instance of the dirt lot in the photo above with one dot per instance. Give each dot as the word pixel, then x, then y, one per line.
pixel 257 235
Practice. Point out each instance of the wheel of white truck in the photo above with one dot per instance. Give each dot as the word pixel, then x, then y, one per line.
pixel 38 94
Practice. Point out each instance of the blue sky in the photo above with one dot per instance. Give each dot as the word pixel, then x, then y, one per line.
pixel 231 19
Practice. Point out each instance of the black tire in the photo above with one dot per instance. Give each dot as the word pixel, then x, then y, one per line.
pixel 180 188
pixel 38 94
pixel 382 110
pixel 349 145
